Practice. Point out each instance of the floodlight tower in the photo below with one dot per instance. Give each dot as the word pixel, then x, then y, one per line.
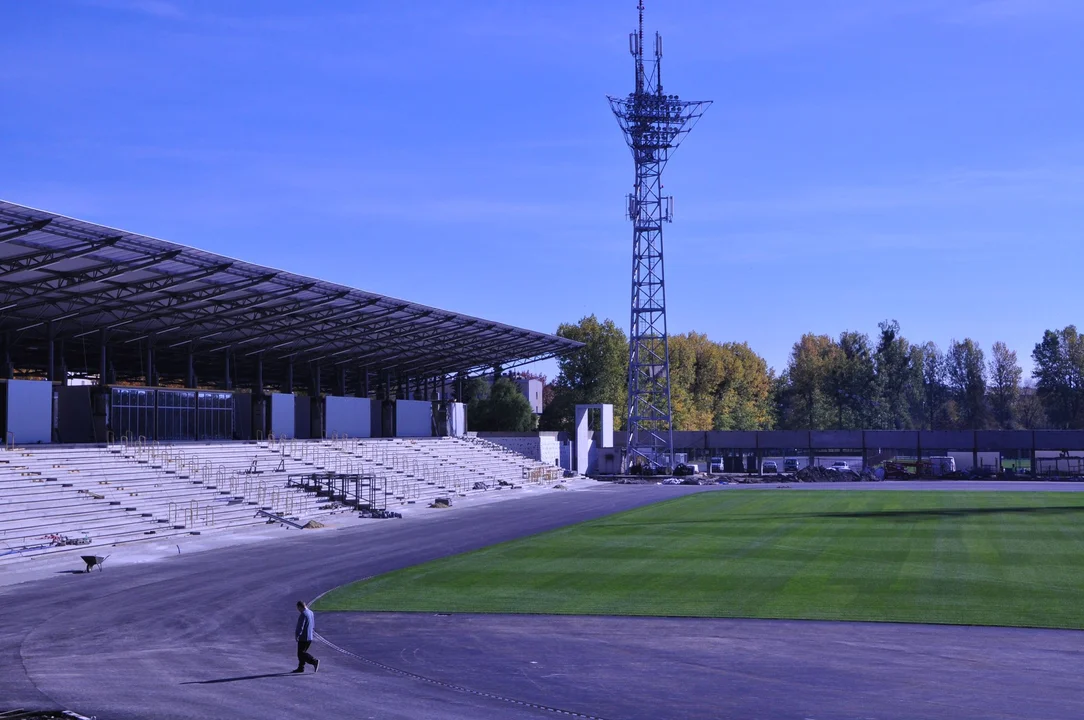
pixel 654 124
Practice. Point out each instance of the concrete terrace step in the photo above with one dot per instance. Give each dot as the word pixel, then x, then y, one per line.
pixel 139 487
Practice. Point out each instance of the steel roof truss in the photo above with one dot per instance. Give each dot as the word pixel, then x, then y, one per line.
pixel 212 321
pixel 97 273
pixel 19 230
pixel 171 304
pixel 269 317
pixel 390 338
pixel 45 257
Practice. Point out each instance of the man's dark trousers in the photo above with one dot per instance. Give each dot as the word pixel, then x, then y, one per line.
pixel 303 654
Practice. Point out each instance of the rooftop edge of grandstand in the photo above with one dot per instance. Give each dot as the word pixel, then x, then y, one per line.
pixel 64 278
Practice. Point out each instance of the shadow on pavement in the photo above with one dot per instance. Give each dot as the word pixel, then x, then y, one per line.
pixel 238 679
pixel 949 512
pixel 886 514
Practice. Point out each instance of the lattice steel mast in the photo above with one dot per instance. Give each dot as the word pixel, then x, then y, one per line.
pixel 654 125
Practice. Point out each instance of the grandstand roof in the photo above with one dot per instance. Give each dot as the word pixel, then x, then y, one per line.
pixel 86 278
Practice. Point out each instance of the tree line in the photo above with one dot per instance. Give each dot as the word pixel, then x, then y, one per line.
pixel 852 381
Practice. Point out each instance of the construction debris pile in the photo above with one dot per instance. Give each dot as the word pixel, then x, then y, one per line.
pixel 816 473
pixel 379 514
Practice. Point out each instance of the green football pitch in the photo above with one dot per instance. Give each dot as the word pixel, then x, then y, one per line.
pixel 981 558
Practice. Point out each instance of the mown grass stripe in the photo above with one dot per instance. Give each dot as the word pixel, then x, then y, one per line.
pixel 945 557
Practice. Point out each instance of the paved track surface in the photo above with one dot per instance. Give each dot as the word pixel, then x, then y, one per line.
pixel 209 635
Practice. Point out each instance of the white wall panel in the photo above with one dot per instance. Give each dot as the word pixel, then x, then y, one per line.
pixel 30 411
pixel 413 418
pixel 282 414
pixel 348 416
pixel 457 419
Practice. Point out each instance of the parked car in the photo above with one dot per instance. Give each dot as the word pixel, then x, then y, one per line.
pixel 790 465
pixel 769 467
pixel 839 466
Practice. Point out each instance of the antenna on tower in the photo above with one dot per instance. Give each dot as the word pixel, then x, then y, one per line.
pixel 640 8
pixel 636 47
pixel 654 125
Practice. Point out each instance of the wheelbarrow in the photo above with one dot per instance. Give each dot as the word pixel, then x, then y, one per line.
pixel 92 560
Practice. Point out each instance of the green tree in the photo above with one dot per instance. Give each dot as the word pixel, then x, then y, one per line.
pixel 850 381
pixel 934 386
pixel 475 387
pixel 1059 376
pixel 1029 411
pixel 503 409
pixel 967 377
pixel 1005 376
pixel 476 396
pixel 917 388
pixel 805 403
pixel 898 396
pixel 596 373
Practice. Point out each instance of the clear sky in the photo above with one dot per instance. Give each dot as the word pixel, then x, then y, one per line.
pixel 921 160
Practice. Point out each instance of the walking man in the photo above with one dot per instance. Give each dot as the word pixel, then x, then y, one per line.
pixel 303 632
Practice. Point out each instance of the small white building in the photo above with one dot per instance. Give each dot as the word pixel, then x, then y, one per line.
pixel 532 390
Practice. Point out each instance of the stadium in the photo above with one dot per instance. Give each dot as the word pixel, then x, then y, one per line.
pixel 201 451
pixel 180 467
pixel 188 345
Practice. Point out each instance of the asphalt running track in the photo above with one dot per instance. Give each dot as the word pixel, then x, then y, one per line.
pixel 209 635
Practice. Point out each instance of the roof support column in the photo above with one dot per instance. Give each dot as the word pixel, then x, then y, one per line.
pixel 9 367
pixel 342 381
pixel 152 376
pixel 52 352
pixel 289 389
pixel 363 382
pixel 260 402
pixel 229 381
pixel 63 365
pixel 316 408
pixel 190 375
pixel 102 367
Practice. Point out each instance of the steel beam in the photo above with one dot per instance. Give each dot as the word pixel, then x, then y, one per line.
pixel 17 231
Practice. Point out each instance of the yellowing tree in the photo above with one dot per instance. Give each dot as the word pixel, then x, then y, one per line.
pixel 718 386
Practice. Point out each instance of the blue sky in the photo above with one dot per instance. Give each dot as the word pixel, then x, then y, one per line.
pixel 921 160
